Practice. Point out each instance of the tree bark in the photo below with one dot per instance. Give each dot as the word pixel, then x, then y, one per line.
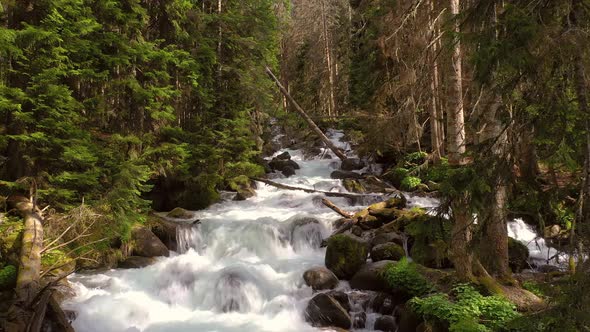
pixel 461 234
pixel 336 209
pixel 455 116
pixel 328 54
pixel 435 116
pixel 309 121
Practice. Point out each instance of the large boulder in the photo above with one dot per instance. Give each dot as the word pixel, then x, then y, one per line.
pixel 325 311
pixel 406 318
pixel 279 165
pixel 146 244
pixel 345 175
pixel 346 254
pixel 384 303
pixel 387 251
pixel 352 164
pixel 354 186
pixel 136 262
pixel 283 156
pixel 518 255
pixel 165 231
pixel 320 278
pixel 370 277
pixel 383 237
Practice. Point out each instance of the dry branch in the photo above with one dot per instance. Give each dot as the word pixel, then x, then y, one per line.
pixel 336 209
pixel 306 117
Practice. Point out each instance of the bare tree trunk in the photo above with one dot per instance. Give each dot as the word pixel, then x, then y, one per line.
pixel 328 54
pixel 306 117
pixel 435 118
pixel 581 91
pixel 461 234
pixel 455 116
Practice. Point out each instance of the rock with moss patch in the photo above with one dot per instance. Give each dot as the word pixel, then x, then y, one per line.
pixel 180 213
pixel 354 186
pixel 387 251
pixel 346 254
pixel 518 255
pixel 370 277
pixel 320 278
pixel 146 244
pixel 325 311
pixel 352 164
pixel 395 176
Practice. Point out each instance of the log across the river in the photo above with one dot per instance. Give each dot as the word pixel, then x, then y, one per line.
pixel 311 191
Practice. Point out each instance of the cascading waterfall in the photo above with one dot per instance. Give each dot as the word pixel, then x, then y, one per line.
pixel 239 269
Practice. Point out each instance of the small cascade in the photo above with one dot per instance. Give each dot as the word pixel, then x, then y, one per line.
pixel 540 252
pixel 188 237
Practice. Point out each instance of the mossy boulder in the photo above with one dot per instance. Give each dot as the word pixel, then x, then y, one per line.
pixel 395 176
pixel 518 255
pixel 387 251
pixel 346 254
pixel 354 186
pixel 371 277
pixel 180 213
pixel 386 214
pixel 320 278
pixel 243 186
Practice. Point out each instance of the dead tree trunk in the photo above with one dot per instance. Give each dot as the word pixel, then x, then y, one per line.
pixel 455 116
pixel 306 117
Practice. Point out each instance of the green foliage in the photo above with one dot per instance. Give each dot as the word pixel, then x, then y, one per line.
pixel 565 215
pixel 8 277
pixel 533 287
pixel 409 183
pixel 437 173
pixel 466 309
pixel 404 277
pixel 414 159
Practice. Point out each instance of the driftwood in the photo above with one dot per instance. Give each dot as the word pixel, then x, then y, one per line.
pixel 336 209
pixel 311 191
pixel 306 117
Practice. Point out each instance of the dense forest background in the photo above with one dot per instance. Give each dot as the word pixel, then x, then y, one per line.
pixel 111 109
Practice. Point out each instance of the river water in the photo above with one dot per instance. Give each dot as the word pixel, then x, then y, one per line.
pixel 240 269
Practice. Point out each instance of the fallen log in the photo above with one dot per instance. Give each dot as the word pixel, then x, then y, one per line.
pixel 306 117
pixel 336 209
pixel 310 191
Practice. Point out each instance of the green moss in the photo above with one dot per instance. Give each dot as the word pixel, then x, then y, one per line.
pixel 354 186
pixel 404 277
pixel 396 175
pixel 415 159
pixel 8 277
pixel 10 236
pixel 345 255
pixel 410 183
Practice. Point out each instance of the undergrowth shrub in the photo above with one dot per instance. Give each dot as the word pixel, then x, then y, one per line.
pixel 403 276
pixel 410 183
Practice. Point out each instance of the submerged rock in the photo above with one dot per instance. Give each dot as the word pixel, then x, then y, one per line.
pixel 320 278
pixel 146 244
pixel 324 311
pixel 346 254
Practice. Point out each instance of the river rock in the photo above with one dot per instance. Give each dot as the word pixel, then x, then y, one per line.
pixel 146 244
pixel 552 231
pixel 354 186
pixel 382 237
pixel 245 192
pixel 324 311
pixel 518 255
pixel 346 254
pixel 320 278
pixel 279 165
pixel 369 277
pixel 341 297
pixel 383 303
pixel 387 251
pixel 165 231
pixel 352 164
pixel 180 213
pixel 288 171
pixel 386 324
pixel 283 156
pixel 345 175
pixel 136 262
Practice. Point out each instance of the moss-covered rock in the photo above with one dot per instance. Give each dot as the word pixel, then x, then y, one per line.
pixel 346 254
pixel 10 240
pixel 518 255
pixel 179 213
pixel 411 183
pixel 395 176
pixel 387 251
pixel 8 277
pixel 354 186
pixel 386 214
